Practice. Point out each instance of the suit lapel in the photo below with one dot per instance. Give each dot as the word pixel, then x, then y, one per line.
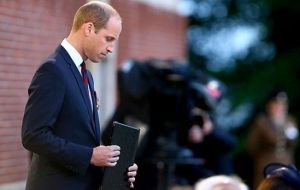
pixel 79 82
pixel 95 110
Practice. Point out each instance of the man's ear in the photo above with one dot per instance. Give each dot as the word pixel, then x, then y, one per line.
pixel 88 28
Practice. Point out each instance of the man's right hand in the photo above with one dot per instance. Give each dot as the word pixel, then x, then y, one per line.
pixel 105 156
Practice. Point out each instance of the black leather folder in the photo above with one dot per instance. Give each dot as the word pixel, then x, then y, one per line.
pixel 125 136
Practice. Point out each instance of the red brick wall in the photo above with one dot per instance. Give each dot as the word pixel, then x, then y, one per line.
pixel 150 33
pixel 29 31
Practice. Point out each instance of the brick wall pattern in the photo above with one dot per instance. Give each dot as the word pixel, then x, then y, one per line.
pixel 29 31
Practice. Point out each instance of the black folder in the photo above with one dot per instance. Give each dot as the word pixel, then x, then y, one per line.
pixel 125 136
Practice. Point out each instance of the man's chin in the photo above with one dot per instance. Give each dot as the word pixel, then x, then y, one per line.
pixel 98 60
pixel 101 57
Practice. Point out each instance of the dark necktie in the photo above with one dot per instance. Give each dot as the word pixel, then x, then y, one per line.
pixel 84 74
pixel 86 81
pixel 86 85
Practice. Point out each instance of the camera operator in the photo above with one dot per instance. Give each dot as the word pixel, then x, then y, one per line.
pixel 201 126
pixel 203 139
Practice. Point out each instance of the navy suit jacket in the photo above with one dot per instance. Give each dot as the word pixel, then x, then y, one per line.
pixel 61 128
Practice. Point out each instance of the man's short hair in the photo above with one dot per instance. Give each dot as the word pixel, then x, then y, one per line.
pixel 96 12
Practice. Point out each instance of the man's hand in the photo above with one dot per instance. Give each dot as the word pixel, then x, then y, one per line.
pixel 132 171
pixel 195 134
pixel 105 156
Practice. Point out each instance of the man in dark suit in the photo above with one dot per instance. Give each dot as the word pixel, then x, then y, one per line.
pixel 61 125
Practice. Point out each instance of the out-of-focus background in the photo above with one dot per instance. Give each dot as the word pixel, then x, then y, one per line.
pixel 177 64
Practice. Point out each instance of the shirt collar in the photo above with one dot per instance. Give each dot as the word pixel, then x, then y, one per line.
pixel 74 54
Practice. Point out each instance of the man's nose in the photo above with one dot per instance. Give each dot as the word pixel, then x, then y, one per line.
pixel 109 48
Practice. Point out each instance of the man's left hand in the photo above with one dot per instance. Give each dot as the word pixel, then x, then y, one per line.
pixel 132 171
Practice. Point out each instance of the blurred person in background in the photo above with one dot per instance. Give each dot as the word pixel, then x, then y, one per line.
pixel 207 142
pixel 273 135
pixel 279 176
pixel 221 182
pixel 203 137
pixel 61 125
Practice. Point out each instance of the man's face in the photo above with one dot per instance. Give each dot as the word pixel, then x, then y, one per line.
pixel 99 44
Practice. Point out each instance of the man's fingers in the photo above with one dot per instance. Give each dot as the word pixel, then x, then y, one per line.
pixel 131 185
pixel 115 153
pixel 115 147
pixel 134 167
pixel 132 173
pixel 111 164
pixel 113 159
pixel 131 179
